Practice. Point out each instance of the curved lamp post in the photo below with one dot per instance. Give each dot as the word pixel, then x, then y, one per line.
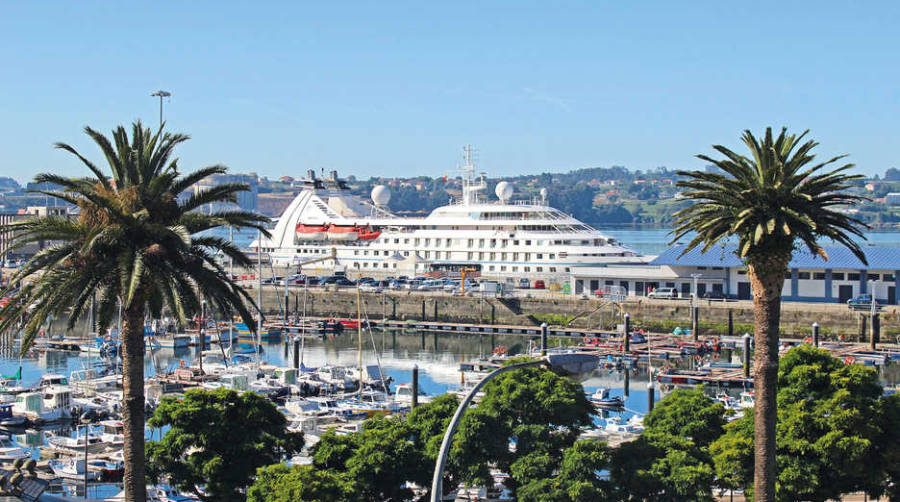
pixel 565 364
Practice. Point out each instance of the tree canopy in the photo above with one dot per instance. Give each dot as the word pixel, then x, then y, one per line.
pixel 836 431
pixel 217 440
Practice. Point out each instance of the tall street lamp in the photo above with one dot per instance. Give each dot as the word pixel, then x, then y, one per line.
pixel 565 364
pixel 160 94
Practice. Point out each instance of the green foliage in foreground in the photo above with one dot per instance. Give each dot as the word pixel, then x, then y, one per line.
pixel 836 432
pixel 218 439
pixel 300 483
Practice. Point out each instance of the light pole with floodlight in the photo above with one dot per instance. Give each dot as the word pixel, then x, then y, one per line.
pixel 160 94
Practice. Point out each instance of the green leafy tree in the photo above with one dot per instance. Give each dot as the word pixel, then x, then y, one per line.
pixel 300 483
pixel 778 198
pixel 541 411
pixel 217 440
pixel 579 477
pixel 671 461
pixel 379 461
pixel 132 244
pixel 835 432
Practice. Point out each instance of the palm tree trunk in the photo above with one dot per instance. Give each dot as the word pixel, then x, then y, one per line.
pixel 767 280
pixel 133 402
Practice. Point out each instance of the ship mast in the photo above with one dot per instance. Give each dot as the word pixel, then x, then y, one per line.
pixel 470 186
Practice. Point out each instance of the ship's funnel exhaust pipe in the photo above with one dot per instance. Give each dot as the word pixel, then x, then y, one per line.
pixel 334 175
pixel 311 173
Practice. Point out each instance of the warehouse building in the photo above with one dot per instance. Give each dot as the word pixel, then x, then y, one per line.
pixel 810 278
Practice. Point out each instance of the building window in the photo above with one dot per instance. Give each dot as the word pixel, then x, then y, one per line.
pixel 803 275
pixel 540 256
pixel 553 269
pixel 819 276
pixel 491 268
pixel 701 268
pixel 742 272
pixel 873 277
pixel 515 243
pixel 406 253
pixel 668 284
pixel 527 243
pixel 528 269
pixel 503 268
pixel 888 277
pixel 481 243
pixel 837 276
pixel 852 276
pixel 471 242
pixel 515 269
pixel 787 275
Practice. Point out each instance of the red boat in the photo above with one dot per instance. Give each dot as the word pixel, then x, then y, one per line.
pixel 367 233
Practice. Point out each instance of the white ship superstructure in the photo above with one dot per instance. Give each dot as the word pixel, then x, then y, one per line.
pixel 328 226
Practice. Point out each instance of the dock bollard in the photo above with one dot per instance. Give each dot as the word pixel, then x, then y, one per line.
pixel 415 386
pixel 861 325
pixel 651 396
pixel 543 339
pixel 626 341
pixel 695 322
pixel 815 337
pixel 876 330
pixel 297 353
pixel 746 355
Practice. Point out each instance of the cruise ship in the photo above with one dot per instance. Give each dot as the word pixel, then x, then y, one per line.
pixel 325 227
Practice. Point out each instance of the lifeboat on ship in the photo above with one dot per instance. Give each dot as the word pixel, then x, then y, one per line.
pixel 310 232
pixel 367 233
pixel 342 232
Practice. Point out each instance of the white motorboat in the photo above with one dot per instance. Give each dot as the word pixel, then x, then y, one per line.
pixel 73 469
pixel 49 405
pixel 404 393
pixel 615 425
pixel 76 445
pixel 10 450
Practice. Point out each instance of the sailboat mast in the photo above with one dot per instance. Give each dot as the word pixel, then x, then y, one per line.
pixel 359 337
pixel 303 321
pixel 259 314
pixel 231 273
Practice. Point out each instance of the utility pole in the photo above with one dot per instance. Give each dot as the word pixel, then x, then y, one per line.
pixel 161 94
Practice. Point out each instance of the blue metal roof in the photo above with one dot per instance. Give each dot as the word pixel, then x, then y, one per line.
pixel 839 257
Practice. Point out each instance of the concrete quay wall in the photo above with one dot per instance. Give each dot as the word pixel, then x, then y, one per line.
pixel 654 315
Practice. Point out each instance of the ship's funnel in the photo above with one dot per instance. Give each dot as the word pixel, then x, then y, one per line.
pixel 311 173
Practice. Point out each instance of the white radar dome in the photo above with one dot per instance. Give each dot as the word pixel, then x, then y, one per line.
pixel 381 195
pixel 504 191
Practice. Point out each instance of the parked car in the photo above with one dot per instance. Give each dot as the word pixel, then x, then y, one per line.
pixel 412 284
pixel 667 293
pixel 860 301
pixel 431 285
pixel 371 287
pixel 524 283
pixel 714 295
pixel 363 280
pixel 539 284
pixel 272 280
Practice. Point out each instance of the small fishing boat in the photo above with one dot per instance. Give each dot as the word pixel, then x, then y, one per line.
pixel 603 398
pixel 8 418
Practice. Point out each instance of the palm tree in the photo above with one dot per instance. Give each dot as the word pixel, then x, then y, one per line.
pixel 132 244
pixel 772 202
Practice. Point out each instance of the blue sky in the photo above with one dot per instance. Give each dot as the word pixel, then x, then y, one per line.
pixel 396 88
